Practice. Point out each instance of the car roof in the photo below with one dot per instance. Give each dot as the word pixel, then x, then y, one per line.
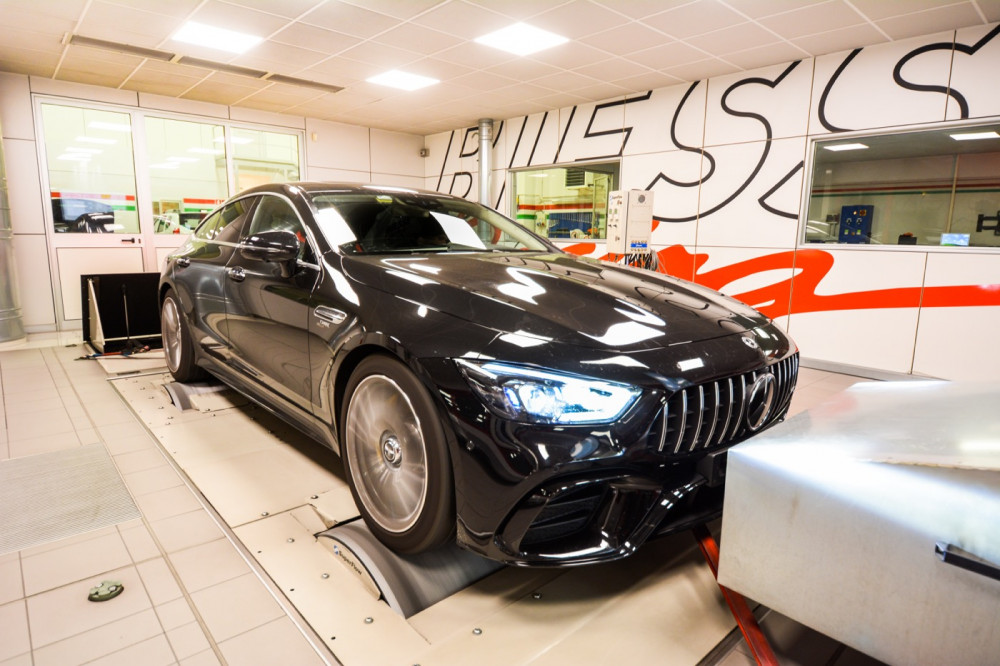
pixel 311 187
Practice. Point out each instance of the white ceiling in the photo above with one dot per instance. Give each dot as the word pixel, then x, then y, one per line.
pixel 617 47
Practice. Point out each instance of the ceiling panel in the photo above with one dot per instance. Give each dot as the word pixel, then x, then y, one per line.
pixel 617 47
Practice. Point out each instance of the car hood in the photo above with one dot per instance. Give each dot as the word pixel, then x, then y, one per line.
pixel 558 297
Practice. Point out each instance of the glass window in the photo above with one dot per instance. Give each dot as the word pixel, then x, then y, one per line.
pixel 276 214
pixel 91 173
pixel 261 157
pixel 187 172
pixel 931 187
pixel 565 202
pixel 233 219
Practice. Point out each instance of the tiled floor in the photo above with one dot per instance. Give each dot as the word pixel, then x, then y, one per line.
pixel 190 595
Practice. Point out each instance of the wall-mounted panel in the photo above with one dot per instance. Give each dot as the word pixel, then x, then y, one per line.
pixel 960 318
pixel 752 194
pixel 83 91
pixel 23 187
pixel 34 280
pixel 592 132
pixel 898 83
pixel 337 146
pixel 768 103
pixel 666 120
pixel 977 52
pixel 673 178
pixel 857 307
pixel 74 262
pixel 760 278
pixel 532 140
pixel 16 121
pixel 396 153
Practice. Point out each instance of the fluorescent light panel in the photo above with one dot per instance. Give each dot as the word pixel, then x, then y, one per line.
pixel 847 146
pixel 521 39
pixel 402 80
pixel 975 136
pixel 220 39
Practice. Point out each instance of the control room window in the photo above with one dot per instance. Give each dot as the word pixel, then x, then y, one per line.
pixel 91 171
pixel 187 172
pixel 930 187
pixel 569 203
pixel 261 157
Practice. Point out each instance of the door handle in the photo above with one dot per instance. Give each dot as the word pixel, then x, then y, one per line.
pixel 236 274
pixel 132 240
pixel 330 315
pixel 183 262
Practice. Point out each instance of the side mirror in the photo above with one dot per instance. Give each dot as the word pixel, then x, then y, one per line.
pixel 277 246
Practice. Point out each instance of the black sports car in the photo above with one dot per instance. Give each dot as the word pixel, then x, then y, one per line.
pixel 473 377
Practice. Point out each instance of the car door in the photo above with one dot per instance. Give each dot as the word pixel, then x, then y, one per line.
pixel 267 315
pixel 199 275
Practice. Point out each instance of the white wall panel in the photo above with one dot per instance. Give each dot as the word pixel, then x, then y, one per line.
pixel 760 278
pixel 83 91
pixel 864 94
pixel 958 343
pixel 772 102
pixel 337 146
pixel 16 120
pixel 591 132
pixel 670 119
pixel 976 57
pixel 673 178
pixel 338 175
pixel 74 262
pixel 266 117
pixel 34 282
pixel 397 180
pixel 23 187
pixel 532 140
pixel 752 197
pixel 960 319
pixel 177 105
pixel 396 153
pixel 500 129
pixel 437 152
pixel 879 339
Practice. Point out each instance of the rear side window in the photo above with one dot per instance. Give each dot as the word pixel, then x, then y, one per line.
pixel 206 231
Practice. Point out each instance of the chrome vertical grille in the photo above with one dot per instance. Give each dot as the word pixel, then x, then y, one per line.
pixel 711 415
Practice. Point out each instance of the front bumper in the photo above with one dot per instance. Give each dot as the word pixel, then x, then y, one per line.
pixel 542 495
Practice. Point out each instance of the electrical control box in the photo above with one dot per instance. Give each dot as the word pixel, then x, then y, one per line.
pixel 630 221
pixel 856 223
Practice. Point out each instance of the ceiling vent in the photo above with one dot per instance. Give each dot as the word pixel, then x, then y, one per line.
pixel 576 177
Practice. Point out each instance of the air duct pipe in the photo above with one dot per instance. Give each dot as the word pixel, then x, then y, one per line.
pixel 11 326
pixel 485 160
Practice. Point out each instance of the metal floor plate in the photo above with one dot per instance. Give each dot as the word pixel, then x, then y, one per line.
pixel 60 494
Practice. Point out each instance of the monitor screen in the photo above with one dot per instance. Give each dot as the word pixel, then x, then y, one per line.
pixel 954 239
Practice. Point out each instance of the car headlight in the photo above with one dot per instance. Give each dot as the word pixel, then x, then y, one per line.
pixel 532 395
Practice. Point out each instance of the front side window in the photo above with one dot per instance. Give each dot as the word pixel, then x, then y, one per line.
pixel 566 203
pixel 187 172
pixel 276 214
pixel 91 173
pixel 932 187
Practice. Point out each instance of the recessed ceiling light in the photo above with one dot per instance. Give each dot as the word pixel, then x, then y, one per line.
pixel 847 146
pixel 216 38
pixel 521 39
pixel 402 80
pixel 111 127
pixel 975 136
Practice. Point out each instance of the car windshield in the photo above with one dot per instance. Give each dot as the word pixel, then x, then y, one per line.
pixel 383 222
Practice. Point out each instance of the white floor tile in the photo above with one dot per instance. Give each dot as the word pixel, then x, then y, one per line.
pixel 276 642
pixel 100 641
pixel 174 614
pixel 209 564
pixel 226 619
pixel 189 639
pixel 186 530
pixel 11 587
pixel 161 586
pixel 74 562
pixel 21 447
pixel 14 622
pixel 153 652
pixel 139 543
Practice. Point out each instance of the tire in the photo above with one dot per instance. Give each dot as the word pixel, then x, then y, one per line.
pixel 396 457
pixel 177 346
